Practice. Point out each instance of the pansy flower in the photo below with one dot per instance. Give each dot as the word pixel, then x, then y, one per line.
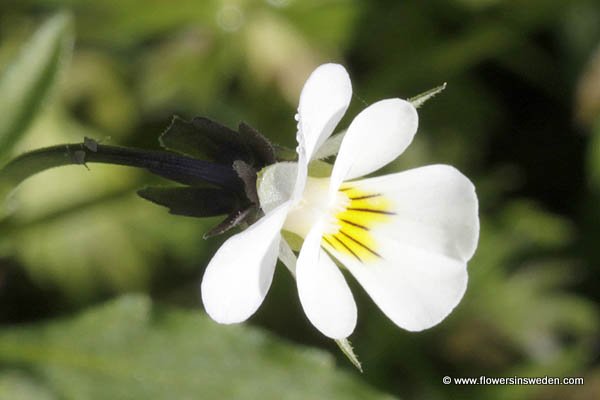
pixel 405 237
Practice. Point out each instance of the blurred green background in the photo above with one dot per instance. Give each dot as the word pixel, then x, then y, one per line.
pixel 99 288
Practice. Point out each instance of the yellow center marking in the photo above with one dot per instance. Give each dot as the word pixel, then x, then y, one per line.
pixel 363 211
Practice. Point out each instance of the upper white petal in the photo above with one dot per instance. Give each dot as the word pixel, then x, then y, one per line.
pixel 323 102
pixel 379 134
pixel 239 275
pixel 323 291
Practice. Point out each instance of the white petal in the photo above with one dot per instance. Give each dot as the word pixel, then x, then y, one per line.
pixel 239 275
pixel 323 102
pixel 301 176
pixel 287 256
pixel 414 288
pixel 324 293
pixel 420 274
pixel 378 135
pixel 436 209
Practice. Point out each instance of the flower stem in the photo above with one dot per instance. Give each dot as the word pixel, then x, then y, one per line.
pixel 169 165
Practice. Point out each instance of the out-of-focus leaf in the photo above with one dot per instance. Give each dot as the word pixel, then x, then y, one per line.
pixel 188 71
pixel 278 53
pixel 527 311
pixel 587 101
pixel 594 157
pixel 129 349
pixel 26 83
pixel 99 94
pixel 126 22
pixel 326 25
pixel 16 385
pixel 109 243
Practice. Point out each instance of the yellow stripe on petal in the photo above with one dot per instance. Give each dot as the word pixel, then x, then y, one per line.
pixel 363 211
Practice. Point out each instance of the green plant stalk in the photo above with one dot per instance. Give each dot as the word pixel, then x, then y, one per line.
pixel 173 166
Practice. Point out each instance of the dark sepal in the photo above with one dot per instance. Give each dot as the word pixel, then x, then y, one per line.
pixel 247 174
pixel 190 171
pixel 193 201
pixel 260 147
pixel 234 219
pixel 207 139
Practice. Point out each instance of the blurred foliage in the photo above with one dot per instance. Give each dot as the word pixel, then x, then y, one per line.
pixel 520 116
pixel 26 83
pixel 144 352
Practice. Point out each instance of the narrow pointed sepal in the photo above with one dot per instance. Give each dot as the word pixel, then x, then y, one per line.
pixel 420 99
pixel 346 348
pixel 248 175
pixel 234 219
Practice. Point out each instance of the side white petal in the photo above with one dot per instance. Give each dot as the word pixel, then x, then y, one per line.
pixel 378 135
pixel 436 209
pixel 324 293
pixel 323 102
pixel 239 275
pixel 287 256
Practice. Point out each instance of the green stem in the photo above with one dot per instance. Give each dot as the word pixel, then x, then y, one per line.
pixel 169 165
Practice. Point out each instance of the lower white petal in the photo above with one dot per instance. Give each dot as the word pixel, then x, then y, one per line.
pixel 413 288
pixel 406 238
pixel 323 291
pixel 239 275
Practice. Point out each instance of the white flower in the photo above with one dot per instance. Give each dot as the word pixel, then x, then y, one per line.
pixel 405 237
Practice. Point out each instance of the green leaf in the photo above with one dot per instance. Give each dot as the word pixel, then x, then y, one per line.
pixel 593 161
pixel 16 385
pixel 130 349
pixel 28 80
